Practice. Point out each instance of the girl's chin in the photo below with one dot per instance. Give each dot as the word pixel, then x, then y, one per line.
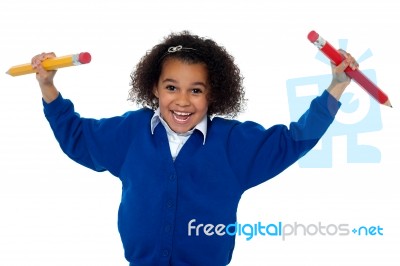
pixel 180 129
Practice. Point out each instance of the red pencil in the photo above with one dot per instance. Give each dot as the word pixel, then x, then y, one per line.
pixel 336 57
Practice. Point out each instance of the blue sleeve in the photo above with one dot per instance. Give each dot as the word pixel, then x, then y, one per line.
pixel 97 144
pixel 258 154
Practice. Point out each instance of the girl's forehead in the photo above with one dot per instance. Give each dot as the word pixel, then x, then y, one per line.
pixel 177 64
pixel 184 61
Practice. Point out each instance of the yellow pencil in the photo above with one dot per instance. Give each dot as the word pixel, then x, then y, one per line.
pixel 52 64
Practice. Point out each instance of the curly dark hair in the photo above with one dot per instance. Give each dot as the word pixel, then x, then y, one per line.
pixel 226 97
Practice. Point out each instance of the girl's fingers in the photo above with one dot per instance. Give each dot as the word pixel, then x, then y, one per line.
pixel 351 60
pixel 38 59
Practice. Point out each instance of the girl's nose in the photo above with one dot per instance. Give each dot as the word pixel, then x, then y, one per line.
pixel 183 99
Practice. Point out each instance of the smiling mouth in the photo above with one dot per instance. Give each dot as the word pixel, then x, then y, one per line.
pixel 181 117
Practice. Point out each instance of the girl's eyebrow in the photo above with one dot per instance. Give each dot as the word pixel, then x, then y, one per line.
pixel 200 83
pixel 169 80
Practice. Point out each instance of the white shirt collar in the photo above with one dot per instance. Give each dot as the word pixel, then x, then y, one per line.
pixel 156 119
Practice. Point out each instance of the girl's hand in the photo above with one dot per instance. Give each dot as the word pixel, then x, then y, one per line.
pixel 338 71
pixel 339 78
pixel 44 77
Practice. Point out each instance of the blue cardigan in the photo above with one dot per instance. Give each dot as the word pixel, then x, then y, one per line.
pixel 205 182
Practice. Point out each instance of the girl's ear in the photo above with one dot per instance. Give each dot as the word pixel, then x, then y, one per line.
pixel 155 91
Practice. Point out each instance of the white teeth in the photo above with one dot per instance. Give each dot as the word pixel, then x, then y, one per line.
pixel 181 117
pixel 179 113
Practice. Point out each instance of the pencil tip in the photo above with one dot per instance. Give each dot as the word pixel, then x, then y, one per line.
pixel 388 103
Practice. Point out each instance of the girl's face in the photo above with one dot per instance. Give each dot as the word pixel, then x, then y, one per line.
pixel 182 94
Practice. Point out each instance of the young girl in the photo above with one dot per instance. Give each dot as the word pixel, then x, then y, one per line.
pixel 183 171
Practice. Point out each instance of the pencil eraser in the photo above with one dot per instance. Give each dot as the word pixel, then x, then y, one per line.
pixel 313 36
pixel 85 58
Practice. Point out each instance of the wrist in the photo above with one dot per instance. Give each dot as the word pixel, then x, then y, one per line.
pixel 336 89
pixel 49 92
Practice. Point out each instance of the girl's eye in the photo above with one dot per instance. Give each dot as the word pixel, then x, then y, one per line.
pixel 171 88
pixel 197 91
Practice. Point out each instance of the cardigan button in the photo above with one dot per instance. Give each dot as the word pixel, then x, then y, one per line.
pixel 172 177
pixel 170 203
pixel 165 252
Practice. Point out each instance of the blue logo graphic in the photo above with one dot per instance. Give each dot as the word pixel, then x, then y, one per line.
pixel 280 229
pixel 358 114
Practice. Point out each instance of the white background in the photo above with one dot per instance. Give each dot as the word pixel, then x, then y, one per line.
pixel 55 212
